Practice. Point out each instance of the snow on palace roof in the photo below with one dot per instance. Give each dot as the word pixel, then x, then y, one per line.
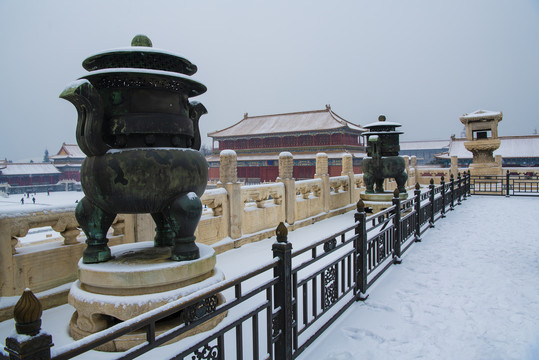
pixel 306 121
pixel 69 150
pixel 510 147
pixel 29 169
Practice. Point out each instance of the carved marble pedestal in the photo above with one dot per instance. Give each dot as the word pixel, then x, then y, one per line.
pixel 139 278
pixel 380 201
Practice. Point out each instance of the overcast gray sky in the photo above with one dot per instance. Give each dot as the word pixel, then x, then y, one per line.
pixel 422 63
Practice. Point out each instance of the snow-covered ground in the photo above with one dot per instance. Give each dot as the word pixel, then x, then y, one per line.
pixel 469 290
pixel 12 206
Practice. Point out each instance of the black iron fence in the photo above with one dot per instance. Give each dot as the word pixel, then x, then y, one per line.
pixel 507 185
pixel 279 309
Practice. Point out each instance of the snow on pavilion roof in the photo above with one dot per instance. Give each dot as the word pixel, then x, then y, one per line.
pixel 510 147
pixel 69 150
pixel 307 121
pixel 482 114
pixel 29 169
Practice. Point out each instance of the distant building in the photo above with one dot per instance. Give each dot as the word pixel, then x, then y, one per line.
pixel 69 160
pixel 258 141
pixel 29 174
pixel 62 173
pixel 516 151
pixel 425 150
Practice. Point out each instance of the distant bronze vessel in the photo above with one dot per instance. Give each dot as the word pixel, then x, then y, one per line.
pixel 383 160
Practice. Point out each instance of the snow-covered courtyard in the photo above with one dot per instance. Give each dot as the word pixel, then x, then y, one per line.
pixel 469 290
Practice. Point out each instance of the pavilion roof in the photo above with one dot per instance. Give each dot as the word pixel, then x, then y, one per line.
pixel 69 151
pixel 482 114
pixel 298 122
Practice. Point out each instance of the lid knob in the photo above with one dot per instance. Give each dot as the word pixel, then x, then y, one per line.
pixel 141 40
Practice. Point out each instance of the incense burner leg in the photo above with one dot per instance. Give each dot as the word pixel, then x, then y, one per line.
pixel 164 235
pixel 401 181
pixel 379 185
pixel 183 216
pixel 95 223
pixel 368 179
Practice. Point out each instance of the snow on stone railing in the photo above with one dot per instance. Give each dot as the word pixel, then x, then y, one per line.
pixel 308 188
pixel 215 199
pixel 259 194
pixel 339 183
pixel 47 264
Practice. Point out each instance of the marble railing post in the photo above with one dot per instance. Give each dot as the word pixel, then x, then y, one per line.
pixel 6 259
pixel 286 171
pixel 407 168
pixel 348 170
pixel 228 178
pixel 454 166
pixel 413 165
pixel 323 174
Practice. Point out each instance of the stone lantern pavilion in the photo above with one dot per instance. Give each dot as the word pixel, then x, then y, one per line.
pixel 482 141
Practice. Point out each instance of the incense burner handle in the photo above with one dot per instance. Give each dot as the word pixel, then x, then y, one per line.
pixel 196 110
pixel 89 105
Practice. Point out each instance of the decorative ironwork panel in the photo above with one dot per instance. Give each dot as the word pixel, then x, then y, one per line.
pixel 330 286
pixel 275 327
pixel 206 352
pixel 380 248
pixel 198 310
pixel 330 245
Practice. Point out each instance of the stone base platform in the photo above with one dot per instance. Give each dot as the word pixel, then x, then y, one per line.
pixel 380 201
pixel 485 169
pixel 139 278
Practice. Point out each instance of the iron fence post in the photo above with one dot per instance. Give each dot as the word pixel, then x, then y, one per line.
pixel 397 228
pixel 464 189
pixel 282 249
pixel 431 198
pixel 417 204
pixel 28 342
pixel 469 183
pixel 442 184
pixel 452 182
pixel 360 244
pixel 459 189
pixel 507 183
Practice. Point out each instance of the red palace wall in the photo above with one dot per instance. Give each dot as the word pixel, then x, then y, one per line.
pixel 270 173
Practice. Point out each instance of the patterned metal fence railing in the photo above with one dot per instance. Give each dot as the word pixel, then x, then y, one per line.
pixel 279 309
pixel 505 185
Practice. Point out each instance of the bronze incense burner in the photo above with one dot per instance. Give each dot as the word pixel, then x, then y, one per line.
pixel 141 135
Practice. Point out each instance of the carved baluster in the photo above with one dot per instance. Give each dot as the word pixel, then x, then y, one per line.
pixel 67 226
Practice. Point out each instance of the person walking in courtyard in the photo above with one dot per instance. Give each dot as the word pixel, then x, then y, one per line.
pixel 34 199
pixel 22 200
